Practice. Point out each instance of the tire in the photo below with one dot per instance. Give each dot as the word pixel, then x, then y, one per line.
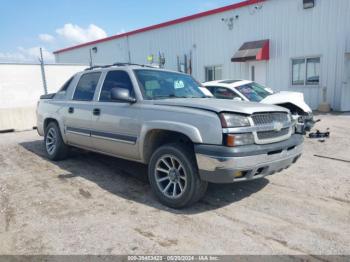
pixel 201 190
pixel 55 148
pixel 173 175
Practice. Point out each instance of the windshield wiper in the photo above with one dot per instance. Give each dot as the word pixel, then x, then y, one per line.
pixel 162 97
pixel 175 96
pixel 171 96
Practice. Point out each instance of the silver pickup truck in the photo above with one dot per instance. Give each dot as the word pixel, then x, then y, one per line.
pixel 161 118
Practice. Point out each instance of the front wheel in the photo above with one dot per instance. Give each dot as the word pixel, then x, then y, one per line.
pixel 173 175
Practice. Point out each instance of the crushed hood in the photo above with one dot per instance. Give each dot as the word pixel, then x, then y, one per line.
pixel 283 97
pixel 220 105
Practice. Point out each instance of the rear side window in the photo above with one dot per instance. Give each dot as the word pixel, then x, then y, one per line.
pixel 115 79
pixel 61 94
pixel 66 85
pixel 86 87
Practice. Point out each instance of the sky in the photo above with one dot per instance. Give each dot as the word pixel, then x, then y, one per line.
pixel 25 26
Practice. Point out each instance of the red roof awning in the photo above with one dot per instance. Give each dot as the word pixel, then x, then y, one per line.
pixel 253 51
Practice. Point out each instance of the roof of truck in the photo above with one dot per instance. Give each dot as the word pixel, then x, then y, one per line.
pixel 126 66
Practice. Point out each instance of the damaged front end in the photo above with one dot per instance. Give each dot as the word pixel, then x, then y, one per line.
pixel 304 123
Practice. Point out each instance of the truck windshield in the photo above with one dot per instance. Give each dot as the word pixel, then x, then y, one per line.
pixel 157 84
pixel 254 92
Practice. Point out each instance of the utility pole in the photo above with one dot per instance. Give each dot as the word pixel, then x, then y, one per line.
pixel 41 60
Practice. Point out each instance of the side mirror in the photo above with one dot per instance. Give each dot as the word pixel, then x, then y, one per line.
pixel 121 95
pixel 237 99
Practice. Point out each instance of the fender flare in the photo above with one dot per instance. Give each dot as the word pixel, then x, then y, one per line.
pixel 188 130
pixel 59 120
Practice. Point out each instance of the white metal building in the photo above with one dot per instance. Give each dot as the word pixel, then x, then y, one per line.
pixel 298 45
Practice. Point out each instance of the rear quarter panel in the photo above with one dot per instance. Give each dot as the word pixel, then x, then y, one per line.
pixel 50 109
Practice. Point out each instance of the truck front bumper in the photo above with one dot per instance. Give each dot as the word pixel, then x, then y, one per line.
pixel 219 164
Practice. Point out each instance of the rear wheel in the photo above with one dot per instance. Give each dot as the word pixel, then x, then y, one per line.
pixel 55 147
pixel 173 176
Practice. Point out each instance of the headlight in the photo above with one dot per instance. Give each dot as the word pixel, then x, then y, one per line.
pixel 233 120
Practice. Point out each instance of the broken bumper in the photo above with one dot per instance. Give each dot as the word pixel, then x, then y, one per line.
pixel 304 123
pixel 219 164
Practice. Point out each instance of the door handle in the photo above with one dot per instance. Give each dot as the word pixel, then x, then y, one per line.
pixel 71 110
pixel 96 111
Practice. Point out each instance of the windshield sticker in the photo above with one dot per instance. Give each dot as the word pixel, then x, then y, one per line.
pixel 179 84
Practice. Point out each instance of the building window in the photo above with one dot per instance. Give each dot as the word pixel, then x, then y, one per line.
pixel 213 73
pixel 313 71
pixel 306 71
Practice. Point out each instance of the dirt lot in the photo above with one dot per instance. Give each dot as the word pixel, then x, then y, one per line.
pixel 93 204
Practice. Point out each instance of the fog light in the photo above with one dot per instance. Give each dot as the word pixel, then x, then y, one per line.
pixel 238 174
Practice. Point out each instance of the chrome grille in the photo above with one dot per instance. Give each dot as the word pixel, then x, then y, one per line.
pixel 272 134
pixel 268 126
pixel 269 118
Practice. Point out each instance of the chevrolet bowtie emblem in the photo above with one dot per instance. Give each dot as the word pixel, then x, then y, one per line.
pixel 277 126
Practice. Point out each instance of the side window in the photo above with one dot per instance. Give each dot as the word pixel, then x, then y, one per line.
pixel 66 85
pixel 211 89
pixel 61 94
pixel 86 87
pixel 223 93
pixel 115 79
pixel 213 73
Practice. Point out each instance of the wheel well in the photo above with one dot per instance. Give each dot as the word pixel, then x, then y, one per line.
pixel 48 121
pixel 292 108
pixel 158 137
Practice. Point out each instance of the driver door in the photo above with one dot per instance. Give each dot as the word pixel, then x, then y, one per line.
pixel 115 125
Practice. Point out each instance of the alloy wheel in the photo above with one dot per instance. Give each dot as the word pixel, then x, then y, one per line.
pixel 170 176
pixel 51 140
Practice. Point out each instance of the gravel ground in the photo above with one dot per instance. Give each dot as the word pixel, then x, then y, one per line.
pixel 94 204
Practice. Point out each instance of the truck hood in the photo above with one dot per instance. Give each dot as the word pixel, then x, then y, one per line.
pixel 220 105
pixel 283 97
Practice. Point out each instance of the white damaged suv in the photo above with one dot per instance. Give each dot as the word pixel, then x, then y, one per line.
pixel 162 118
pixel 246 90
